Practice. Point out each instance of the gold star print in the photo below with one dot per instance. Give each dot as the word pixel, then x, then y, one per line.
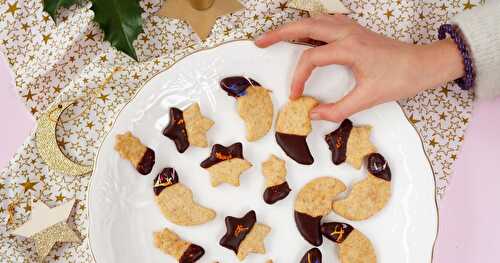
pixel 61 143
pixel 27 208
pixel 413 120
pixel 46 18
pixel 2 186
pixel 388 14
pixel 442 116
pixel 103 97
pixel 104 58
pixel 25 26
pixel 28 185
pixel 29 95
pixel 46 38
pixel 47 227
pixel 468 5
pixel 90 125
pixel 444 7
pixel 317 7
pixel 57 89
pixel 433 142
pixel 200 21
pixel 33 110
pixel 90 36
pixel 445 91
pixel 12 8
pixel 465 121
pixel 282 6
pixel 59 198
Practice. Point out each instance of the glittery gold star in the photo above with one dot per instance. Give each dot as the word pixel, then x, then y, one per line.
pixel 47 227
pixel 442 116
pixel 90 36
pixel 25 26
pixel 445 91
pixel 12 8
pixel 57 89
pixel 103 97
pixel 388 14
pixel 433 142
pixel 33 110
pixel 469 5
pixel 28 185
pixel 46 18
pixel 46 38
pixel 282 6
pixel 90 125
pixel 60 197
pixel 29 95
pixel 104 58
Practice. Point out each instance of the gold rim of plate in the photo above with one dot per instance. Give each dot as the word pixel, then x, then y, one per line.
pixel 210 48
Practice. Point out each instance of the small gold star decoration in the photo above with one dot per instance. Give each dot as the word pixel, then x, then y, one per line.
pixel 199 14
pixel 47 226
pixel 318 7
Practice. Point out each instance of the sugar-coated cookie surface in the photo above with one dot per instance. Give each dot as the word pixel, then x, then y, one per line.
pixel 226 164
pixel 131 148
pixel 312 203
pixel 254 104
pixel 354 247
pixel 171 244
pixel 370 195
pixel 176 202
pixel 274 170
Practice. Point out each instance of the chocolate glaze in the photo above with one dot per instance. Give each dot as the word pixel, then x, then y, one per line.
pixel 236 86
pixel 276 192
pixel 147 162
pixel 337 141
pixel 221 153
pixel 167 177
pixel 377 165
pixel 176 130
pixel 336 232
pixel 312 256
pixel 295 146
pixel 192 254
pixel 309 227
pixel 237 229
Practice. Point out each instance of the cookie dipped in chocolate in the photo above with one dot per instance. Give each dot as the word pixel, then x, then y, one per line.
pixel 336 232
pixel 337 141
pixel 309 227
pixel 237 229
pixel 192 254
pixel 312 256
pixel 377 165
pixel 221 153
pixel 275 193
pixel 167 177
pixel 295 146
pixel 147 162
pixel 176 130
pixel 236 86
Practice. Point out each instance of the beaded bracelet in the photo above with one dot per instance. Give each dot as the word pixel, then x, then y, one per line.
pixel 468 80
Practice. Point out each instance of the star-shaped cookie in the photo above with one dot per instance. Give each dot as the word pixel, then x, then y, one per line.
pixel 188 127
pixel 350 143
pixel 244 236
pixel 48 226
pixel 226 164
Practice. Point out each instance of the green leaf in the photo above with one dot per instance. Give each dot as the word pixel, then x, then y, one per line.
pixel 51 6
pixel 121 22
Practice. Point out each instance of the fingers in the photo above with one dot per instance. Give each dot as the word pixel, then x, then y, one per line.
pixel 350 104
pixel 321 28
pixel 312 58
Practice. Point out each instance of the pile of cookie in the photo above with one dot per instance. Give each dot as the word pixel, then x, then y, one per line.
pixel 225 164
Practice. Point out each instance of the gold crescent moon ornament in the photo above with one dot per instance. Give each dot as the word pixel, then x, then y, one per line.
pixel 46 143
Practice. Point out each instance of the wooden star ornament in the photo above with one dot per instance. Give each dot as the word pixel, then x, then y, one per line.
pixel 200 14
pixel 48 226
pixel 318 7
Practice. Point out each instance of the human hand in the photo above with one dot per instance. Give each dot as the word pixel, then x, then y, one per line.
pixel 385 69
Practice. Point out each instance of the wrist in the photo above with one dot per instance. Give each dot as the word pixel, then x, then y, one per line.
pixel 440 62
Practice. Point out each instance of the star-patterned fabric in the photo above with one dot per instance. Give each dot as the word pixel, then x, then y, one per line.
pixel 55 62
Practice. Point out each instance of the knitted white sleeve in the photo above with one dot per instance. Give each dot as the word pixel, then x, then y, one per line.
pixel 481 28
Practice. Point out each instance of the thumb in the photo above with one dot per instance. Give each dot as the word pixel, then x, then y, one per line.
pixel 353 102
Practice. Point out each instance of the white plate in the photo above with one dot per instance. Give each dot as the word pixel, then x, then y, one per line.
pixel 122 212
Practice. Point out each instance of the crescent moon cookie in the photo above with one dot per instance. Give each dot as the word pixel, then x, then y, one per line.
pixel 354 247
pixel 370 195
pixel 312 203
pixel 254 105
pixel 176 201
pixel 188 127
pixel 312 256
pixel 292 127
pixel 171 244
pixel 277 188
pixel 244 235
pixel 130 148
pixel 226 164
pixel 350 143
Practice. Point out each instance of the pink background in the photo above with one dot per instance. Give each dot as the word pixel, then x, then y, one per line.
pixel 469 214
